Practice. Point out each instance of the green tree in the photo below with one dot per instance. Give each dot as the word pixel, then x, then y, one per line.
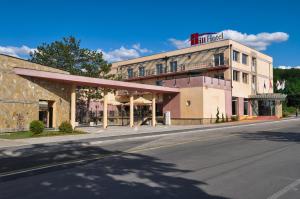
pixel 292 86
pixel 67 55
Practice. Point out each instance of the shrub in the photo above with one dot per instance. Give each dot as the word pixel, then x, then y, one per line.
pixel 227 120
pixel 218 116
pixel 65 127
pixel 234 118
pixel 223 119
pixel 285 114
pixel 36 127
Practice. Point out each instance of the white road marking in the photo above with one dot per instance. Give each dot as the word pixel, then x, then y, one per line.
pixel 286 189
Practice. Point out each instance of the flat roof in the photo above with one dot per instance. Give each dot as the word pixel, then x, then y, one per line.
pixel 94 82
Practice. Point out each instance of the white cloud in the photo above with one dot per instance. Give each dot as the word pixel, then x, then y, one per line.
pixel 124 53
pixel 16 51
pixel 139 49
pixel 258 41
pixel 288 67
pixel 179 43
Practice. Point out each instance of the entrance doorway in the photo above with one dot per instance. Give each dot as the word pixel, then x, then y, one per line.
pixel 46 113
pixel 266 108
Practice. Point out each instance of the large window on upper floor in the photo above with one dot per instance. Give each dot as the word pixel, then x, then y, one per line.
pixel 236 56
pixel 245 59
pixel 235 75
pixel 219 59
pixel 130 72
pixel 253 63
pixel 245 78
pixel 159 69
pixel 173 66
pixel 141 71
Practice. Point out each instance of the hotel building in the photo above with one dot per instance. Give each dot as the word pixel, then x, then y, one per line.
pixel 195 85
pixel 213 75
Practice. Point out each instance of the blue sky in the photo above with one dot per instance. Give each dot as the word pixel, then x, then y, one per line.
pixel 127 29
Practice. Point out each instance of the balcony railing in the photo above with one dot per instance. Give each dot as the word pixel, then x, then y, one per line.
pixel 180 68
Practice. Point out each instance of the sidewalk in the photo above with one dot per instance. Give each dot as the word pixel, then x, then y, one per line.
pixel 116 132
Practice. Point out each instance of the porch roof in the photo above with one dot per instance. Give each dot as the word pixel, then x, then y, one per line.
pixel 94 82
pixel 268 96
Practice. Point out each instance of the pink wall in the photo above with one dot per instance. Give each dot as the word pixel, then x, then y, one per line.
pixel 228 103
pixel 171 102
pixel 198 81
pixel 249 109
pixel 241 106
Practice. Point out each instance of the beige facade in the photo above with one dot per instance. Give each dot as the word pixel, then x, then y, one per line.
pixel 243 71
pixel 261 69
pixel 20 96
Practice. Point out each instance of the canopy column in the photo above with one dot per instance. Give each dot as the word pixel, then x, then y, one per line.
pixel 131 111
pixel 105 102
pixel 73 105
pixel 154 109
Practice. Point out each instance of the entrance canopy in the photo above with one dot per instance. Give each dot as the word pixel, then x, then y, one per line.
pixel 94 82
pixel 268 96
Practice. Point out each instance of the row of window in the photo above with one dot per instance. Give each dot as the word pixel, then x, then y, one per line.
pixel 245 58
pixel 160 69
pixel 245 77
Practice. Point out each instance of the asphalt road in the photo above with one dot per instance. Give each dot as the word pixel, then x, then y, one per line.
pixel 251 161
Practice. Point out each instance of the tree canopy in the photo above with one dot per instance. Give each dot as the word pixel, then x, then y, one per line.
pixel 292 87
pixel 66 54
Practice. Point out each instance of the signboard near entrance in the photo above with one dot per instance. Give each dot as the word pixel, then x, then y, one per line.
pixel 204 38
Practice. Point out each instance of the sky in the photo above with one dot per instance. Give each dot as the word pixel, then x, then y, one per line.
pixel 125 29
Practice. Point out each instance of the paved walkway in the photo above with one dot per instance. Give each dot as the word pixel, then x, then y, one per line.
pixel 114 132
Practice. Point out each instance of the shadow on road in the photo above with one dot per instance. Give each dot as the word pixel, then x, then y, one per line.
pixel 118 176
pixel 273 136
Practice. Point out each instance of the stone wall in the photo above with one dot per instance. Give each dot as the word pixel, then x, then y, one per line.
pixel 19 96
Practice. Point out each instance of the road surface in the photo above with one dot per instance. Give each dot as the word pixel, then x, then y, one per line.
pixel 250 161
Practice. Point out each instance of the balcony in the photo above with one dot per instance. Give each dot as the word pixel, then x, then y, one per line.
pixel 181 69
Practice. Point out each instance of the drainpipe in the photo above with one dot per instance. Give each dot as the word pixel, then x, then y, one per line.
pixel 230 67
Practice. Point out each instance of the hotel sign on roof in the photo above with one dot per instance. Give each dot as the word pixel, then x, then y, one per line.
pixel 204 38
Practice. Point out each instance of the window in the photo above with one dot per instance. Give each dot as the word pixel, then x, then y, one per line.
pixel 219 75
pixel 173 65
pixel 245 78
pixel 219 59
pixel 236 56
pixel 159 69
pixel 246 104
pixel 254 63
pixel 236 75
pixel 141 71
pixel 253 86
pixel 159 83
pixel 234 106
pixel 130 72
pixel 111 113
pixel 253 79
pixel 245 59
